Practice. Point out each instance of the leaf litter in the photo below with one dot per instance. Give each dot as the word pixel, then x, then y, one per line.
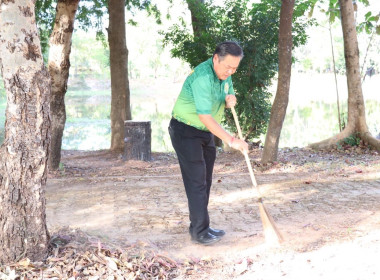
pixel 74 255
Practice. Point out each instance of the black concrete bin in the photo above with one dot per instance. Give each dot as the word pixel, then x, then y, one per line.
pixel 137 140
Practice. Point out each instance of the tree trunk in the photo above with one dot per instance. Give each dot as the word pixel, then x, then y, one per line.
pixel 24 153
pixel 59 65
pixel 356 121
pixel 278 111
pixel 138 138
pixel 194 7
pixel 120 94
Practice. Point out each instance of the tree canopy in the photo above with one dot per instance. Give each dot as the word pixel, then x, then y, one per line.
pixel 255 27
pixel 90 14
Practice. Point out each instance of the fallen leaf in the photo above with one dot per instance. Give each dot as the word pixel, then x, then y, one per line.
pixel 111 263
pixel 24 262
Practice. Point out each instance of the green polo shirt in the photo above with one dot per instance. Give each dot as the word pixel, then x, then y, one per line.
pixel 202 94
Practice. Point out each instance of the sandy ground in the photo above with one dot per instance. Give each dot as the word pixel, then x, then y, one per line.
pixel 326 205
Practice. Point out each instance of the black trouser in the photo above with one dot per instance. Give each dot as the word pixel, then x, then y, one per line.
pixel 196 155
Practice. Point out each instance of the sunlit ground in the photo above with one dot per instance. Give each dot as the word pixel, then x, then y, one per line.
pixel 349 260
pixel 328 215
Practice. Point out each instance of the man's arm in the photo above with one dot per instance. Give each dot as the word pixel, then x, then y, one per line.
pixel 218 131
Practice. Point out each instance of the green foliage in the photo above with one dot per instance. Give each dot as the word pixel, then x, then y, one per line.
pixel 307 64
pixel 369 25
pixel 45 14
pixel 88 57
pixel 352 140
pixel 90 15
pixel 334 10
pixel 255 28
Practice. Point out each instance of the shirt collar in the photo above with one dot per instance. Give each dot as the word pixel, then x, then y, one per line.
pixel 213 70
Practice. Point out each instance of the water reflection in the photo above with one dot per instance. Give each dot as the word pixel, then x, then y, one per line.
pixel 303 124
pixel 87 135
pixel 88 120
pixel 313 122
pixel 88 125
pixel 318 120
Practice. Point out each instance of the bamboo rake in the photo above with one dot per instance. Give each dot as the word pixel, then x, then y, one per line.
pixel 271 232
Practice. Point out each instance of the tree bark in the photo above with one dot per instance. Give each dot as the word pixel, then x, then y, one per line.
pixel 138 135
pixel 194 7
pixel 24 153
pixel 280 104
pixel 120 93
pixel 356 120
pixel 59 65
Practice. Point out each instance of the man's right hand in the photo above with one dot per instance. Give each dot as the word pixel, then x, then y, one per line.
pixel 238 144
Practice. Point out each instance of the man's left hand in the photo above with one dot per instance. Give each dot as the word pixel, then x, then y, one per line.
pixel 230 101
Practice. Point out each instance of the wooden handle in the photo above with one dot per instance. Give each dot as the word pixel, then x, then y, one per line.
pixel 272 234
pixel 253 179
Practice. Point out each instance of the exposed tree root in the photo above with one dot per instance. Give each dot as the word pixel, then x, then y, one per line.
pixel 333 141
pixel 372 141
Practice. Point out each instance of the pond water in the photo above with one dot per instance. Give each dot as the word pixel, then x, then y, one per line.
pixel 311 114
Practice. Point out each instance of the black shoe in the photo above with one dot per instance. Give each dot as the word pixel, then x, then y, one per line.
pixel 206 239
pixel 216 232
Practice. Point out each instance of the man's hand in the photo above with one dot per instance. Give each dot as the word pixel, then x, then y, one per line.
pixel 218 131
pixel 230 101
pixel 238 144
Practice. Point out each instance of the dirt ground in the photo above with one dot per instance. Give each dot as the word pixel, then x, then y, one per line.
pixel 326 205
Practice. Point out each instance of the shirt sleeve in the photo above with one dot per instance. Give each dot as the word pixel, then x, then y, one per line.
pixel 202 93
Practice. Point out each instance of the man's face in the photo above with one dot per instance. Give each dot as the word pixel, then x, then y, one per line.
pixel 226 67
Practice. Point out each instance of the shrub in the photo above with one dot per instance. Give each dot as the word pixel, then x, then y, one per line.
pixel 255 27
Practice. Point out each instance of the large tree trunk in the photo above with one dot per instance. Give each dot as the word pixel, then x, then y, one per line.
pixel 194 7
pixel 356 121
pixel 59 65
pixel 278 111
pixel 24 153
pixel 120 94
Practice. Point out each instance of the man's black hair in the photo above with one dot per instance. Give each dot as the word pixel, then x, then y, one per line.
pixel 228 48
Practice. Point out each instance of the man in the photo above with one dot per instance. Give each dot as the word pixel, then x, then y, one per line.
pixel 195 120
